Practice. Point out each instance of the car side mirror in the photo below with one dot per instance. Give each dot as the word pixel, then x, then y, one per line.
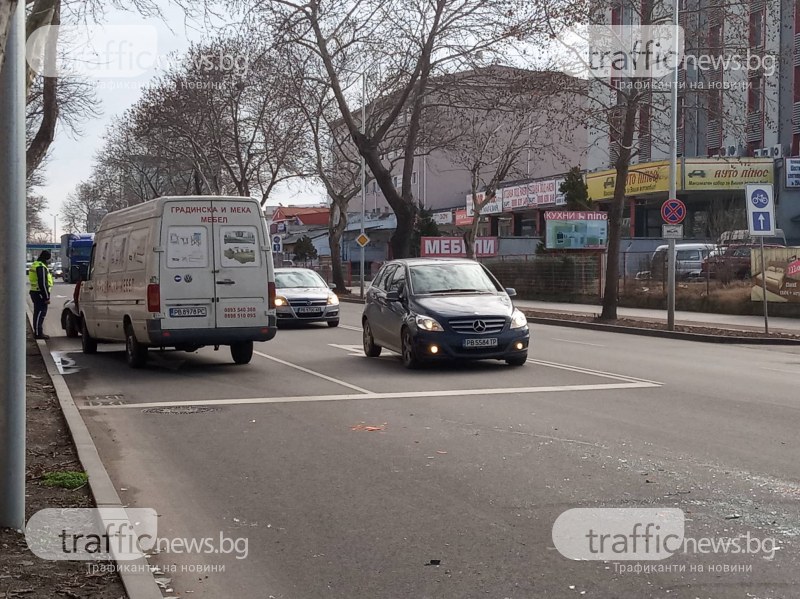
pixel 332 285
pixel 511 292
pixel 392 296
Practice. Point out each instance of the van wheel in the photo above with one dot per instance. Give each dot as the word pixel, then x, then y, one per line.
pixel 371 350
pixel 71 325
pixel 135 352
pixel 242 352
pixel 88 343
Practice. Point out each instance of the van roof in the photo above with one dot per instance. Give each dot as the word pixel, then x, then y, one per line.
pixel 688 246
pixel 155 207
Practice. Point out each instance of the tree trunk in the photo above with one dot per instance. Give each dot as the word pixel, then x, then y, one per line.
pixel 611 291
pixel 336 228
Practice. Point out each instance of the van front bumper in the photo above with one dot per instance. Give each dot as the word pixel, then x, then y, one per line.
pixel 218 336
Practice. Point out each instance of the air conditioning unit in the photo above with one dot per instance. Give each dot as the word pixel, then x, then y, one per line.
pixel 761 152
pixel 723 151
pixel 733 151
pixel 776 151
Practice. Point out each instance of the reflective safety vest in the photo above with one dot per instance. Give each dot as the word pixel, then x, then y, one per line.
pixel 34 279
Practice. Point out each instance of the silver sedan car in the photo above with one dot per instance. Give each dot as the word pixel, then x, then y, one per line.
pixel 304 296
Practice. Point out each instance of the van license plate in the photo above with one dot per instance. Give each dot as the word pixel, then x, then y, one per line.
pixel 490 342
pixel 187 312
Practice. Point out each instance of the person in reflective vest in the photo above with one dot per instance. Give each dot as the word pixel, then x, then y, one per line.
pixel 41 281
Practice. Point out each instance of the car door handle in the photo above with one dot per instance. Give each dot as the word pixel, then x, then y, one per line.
pixel 226 282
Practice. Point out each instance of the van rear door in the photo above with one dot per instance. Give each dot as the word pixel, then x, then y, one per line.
pixel 187 279
pixel 241 265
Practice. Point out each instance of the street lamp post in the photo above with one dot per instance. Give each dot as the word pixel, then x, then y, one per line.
pixel 673 170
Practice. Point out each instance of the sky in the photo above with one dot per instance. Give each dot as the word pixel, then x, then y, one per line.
pixel 71 155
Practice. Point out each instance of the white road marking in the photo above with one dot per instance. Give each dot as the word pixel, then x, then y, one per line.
pixel 355 350
pixel 600 373
pixel 314 373
pixel 579 342
pixel 396 395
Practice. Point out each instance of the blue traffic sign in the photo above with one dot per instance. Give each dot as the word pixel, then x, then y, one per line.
pixel 759 198
pixel 277 247
pixel 762 221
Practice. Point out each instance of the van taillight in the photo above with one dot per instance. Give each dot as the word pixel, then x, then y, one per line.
pixel 271 294
pixel 153 298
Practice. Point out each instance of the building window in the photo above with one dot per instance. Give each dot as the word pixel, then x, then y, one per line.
pixel 757 29
pixel 755 95
pixel 414 178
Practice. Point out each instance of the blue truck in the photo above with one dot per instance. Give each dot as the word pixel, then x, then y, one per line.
pixel 76 251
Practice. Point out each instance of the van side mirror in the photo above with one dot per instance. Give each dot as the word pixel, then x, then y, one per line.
pixel 332 285
pixel 511 291
pixel 392 296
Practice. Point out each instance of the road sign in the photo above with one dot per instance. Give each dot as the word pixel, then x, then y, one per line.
pixel 362 240
pixel 672 231
pixel 673 211
pixel 760 210
pixel 277 244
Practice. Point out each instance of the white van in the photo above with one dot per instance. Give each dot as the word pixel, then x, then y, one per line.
pixel 688 259
pixel 181 272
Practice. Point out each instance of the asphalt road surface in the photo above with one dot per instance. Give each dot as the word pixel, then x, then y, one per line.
pixel 456 494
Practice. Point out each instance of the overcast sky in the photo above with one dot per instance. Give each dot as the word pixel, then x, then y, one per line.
pixel 71 156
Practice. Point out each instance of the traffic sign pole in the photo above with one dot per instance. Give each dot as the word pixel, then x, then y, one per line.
pixel 673 211
pixel 764 288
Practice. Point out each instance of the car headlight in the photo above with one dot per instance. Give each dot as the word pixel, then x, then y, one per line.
pixel 426 323
pixel 280 301
pixel 518 320
pixel 333 300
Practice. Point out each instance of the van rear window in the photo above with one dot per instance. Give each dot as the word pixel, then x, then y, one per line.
pixel 187 247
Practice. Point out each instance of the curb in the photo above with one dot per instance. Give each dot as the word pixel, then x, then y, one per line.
pixel 701 337
pixel 136 576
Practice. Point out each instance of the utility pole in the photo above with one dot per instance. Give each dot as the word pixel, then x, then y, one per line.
pixel 363 172
pixel 12 301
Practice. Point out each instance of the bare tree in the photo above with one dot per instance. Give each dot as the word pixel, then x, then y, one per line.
pixel 397 46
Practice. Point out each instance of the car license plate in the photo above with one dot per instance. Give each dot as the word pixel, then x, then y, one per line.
pixel 490 342
pixel 188 312
pixel 308 310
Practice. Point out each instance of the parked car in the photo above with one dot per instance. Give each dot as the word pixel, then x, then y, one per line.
pixel 732 261
pixel 304 296
pixel 429 309
pixel 688 260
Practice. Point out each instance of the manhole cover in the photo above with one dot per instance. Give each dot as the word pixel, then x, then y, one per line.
pixel 180 410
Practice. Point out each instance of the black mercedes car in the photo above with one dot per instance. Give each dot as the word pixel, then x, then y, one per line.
pixel 427 309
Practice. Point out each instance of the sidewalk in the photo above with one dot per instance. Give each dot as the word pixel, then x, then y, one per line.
pixel 725 321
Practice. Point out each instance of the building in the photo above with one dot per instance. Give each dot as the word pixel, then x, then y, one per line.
pixel 738 119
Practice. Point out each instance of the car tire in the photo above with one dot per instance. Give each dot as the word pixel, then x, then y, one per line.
pixel 135 352
pixel 242 352
pixel 409 356
pixel 333 323
pixel 371 349
pixel 71 325
pixel 88 343
pixel 517 360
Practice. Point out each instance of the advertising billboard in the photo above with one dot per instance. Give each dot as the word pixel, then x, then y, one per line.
pixel 722 173
pixel 568 230
pixel 782 274
pixel 644 178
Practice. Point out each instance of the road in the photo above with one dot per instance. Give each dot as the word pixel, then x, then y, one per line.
pixel 471 468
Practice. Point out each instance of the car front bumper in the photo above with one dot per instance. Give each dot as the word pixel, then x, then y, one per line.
pixel 289 314
pixel 451 345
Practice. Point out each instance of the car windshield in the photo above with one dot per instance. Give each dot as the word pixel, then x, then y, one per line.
pixel 450 278
pixel 298 279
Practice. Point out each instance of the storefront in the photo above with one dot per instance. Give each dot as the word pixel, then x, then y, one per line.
pixel 712 188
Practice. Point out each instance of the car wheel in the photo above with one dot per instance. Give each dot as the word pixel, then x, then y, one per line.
pixel 135 352
pixel 333 323
pixel 410 359
pixel 371 350
pixel 71 325
pixel 88 343
pixel 242 352
pixel 517 360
